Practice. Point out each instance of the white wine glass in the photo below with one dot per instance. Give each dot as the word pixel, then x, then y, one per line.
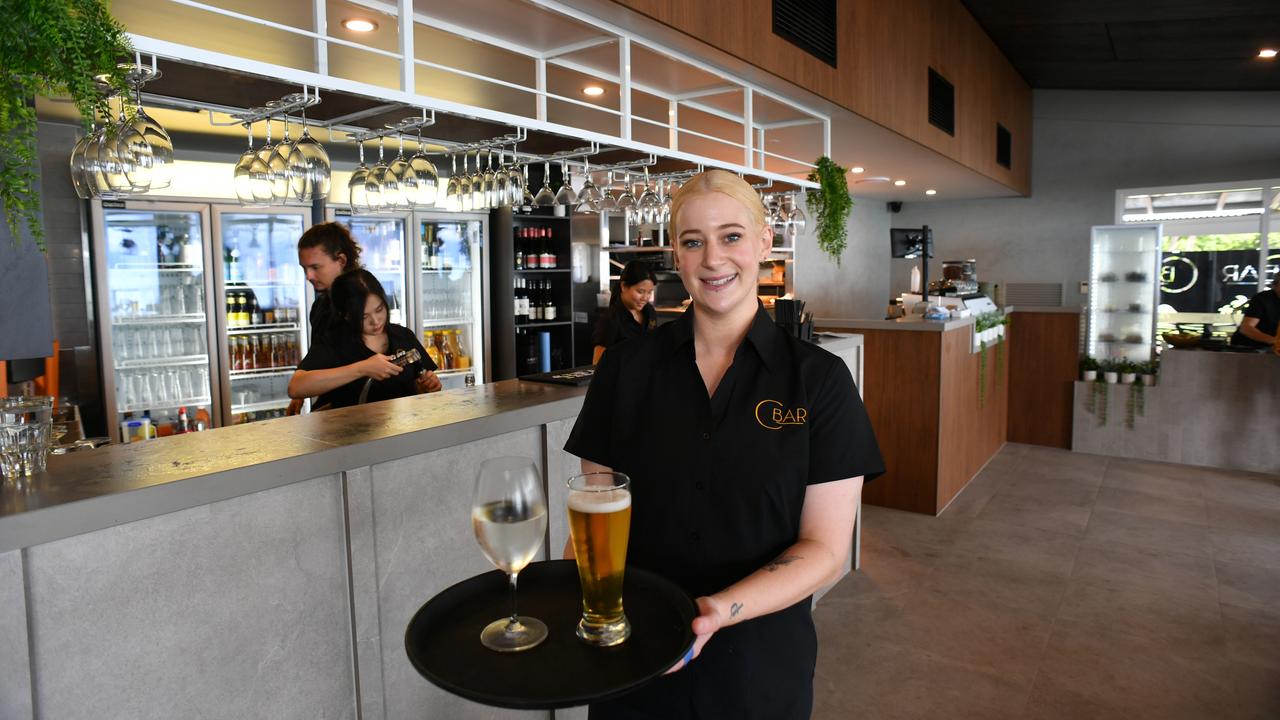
pixel 566 195
pixel 545 198
pixel 509 518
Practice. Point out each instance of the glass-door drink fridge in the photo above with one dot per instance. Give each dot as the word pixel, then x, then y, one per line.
pixel 260 319
pixel 449 309
pixel 151 263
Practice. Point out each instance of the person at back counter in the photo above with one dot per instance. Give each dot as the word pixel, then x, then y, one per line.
pixel 1261 317
pixel 350 362
pixel 630 313
pixel 325 251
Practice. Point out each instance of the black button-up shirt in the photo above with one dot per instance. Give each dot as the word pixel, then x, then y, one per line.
pixel 718 484
pixel 616 323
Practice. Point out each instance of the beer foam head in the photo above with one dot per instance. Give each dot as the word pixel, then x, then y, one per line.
pixel 605 501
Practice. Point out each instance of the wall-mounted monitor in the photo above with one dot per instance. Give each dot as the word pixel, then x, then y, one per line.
pixel 908 242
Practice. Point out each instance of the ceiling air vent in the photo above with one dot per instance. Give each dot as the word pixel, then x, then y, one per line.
pixel 942 103
pixel 1004 146
pixel 809 25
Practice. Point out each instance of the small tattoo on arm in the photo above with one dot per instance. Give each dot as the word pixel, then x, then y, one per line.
pixel 734 609
pixel 784 560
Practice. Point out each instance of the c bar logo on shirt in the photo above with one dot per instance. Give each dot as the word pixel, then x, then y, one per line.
pixel 772 415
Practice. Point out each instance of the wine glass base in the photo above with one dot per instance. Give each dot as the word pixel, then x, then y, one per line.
pixel 504 636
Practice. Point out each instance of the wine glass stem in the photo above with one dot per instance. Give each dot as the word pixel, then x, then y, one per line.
pixel 514 615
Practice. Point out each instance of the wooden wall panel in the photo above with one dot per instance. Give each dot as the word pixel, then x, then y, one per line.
pixel 886 48
pixel 1042 367
pixel 971 429
pixel 900 390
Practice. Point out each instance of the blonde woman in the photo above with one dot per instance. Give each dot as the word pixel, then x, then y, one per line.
pixel 764 446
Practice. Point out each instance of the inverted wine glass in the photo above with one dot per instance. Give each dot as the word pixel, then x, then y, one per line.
pixel 316 161
pixel 545 198
pixel 452 201
pixel 509 518
pixel 427 189
pixel 566 195
pixel 358 184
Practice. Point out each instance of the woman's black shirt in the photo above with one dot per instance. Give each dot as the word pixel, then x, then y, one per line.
pixel 617 323
pixel 334 348
pixel 718 484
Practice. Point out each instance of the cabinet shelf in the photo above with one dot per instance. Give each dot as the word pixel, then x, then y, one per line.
pixel 553 323
pixel 544 270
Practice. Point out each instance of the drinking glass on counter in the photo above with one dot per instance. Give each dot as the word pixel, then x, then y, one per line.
pixel 25 424
pixel 509 518
pixel 599 524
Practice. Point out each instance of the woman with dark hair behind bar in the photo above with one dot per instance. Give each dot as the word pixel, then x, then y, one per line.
pixel 630 313
pixel 750 504
pixel 351 361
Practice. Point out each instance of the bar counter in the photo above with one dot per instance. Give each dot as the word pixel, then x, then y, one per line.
pixel 264 570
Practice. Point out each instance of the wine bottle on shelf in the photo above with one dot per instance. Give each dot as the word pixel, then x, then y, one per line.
pixel 548 257
pixel 548 304
pixel 535 300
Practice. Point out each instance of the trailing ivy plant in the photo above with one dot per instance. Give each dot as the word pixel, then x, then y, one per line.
pixel 830 205
pixel 48 47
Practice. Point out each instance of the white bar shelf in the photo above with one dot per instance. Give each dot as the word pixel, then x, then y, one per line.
pixel 161 362
pixel 165 405
pixel 260 406
pixel 250 329
pixel 127 321
pixel 446 322
pixel 263 373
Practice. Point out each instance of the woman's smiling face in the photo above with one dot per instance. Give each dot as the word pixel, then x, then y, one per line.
pixel 718 252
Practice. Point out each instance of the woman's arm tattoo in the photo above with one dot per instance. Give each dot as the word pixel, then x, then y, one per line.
pixel 784 560
pixel 734 609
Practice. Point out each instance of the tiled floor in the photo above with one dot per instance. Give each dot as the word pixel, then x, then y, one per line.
pixel 1064 586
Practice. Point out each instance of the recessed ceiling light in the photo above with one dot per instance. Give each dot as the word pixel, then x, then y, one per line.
pixel 930 191
pixel 857 169
pixel 899 183
pixel 593 90
pixel 1267 53
pixel 359 25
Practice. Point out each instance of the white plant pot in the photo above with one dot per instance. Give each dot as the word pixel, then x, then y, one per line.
pixel 1127 378
pixel 1111 377
pixel 1090 375
pixel 1148 380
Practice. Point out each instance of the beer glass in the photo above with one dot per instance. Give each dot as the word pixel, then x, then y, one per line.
pixel 599 523
pixel 509 518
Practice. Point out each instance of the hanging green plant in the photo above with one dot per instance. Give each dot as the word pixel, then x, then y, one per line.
pixel 830 205
pixel 1102 403
pixel 49 47
pixel 982 375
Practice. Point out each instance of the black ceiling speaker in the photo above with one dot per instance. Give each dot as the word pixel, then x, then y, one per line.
pixel 895 206
pixel 809 25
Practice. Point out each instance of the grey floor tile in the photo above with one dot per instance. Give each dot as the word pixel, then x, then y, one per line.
pixel 1244 516
pixel 1109 526
pixel 1027 548
pixel 1129 566
pixel 1018 586
pixel 1252 489
pixel 1257 692
pixel 1056 490
pixel 1253 636
pixel 1187 625
pixel 1248 585
pixel 1099 676
pixel 1246 548
pixel 1182 509
pixel 1036 513
pixel 889 682
pixel 1154 480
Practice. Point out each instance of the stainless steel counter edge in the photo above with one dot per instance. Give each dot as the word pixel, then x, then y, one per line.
pixel 92 490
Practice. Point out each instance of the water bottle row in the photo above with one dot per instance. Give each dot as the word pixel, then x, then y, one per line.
pixel 155 343
pixel 137 389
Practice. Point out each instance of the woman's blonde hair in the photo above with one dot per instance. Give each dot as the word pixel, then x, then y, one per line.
pixel 721 181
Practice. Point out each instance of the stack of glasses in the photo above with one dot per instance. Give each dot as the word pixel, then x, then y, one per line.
pixel 25 435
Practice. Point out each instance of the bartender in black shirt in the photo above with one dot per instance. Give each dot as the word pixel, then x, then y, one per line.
pixel 350 361
pixel 749 502
pixel 630 313
pixel 1261 316
pixel 325 251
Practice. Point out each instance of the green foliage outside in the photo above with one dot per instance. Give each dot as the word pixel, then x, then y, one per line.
pixel 1204 243
pixel 50 48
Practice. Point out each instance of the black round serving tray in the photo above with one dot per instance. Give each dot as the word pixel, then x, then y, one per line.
pixel 443 639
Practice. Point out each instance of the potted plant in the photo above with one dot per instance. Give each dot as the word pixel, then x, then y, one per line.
pixel 1128 371
pixel 1109 371
pixel 1147 372
pixel 1088 369
pixel 830 204
pixel 56 47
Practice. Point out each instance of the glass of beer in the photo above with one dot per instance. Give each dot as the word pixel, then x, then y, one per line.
pixel 599 523
pixel 509 518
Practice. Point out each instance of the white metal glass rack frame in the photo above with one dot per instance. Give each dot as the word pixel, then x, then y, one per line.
pixel 754 129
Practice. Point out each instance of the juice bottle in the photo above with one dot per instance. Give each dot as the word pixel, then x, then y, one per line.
pixel 456 351
pixel 429 342
pixel 442 345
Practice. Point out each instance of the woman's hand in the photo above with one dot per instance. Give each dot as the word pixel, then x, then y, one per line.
pixel 710 619
pixel 378 367
pixel 427 382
